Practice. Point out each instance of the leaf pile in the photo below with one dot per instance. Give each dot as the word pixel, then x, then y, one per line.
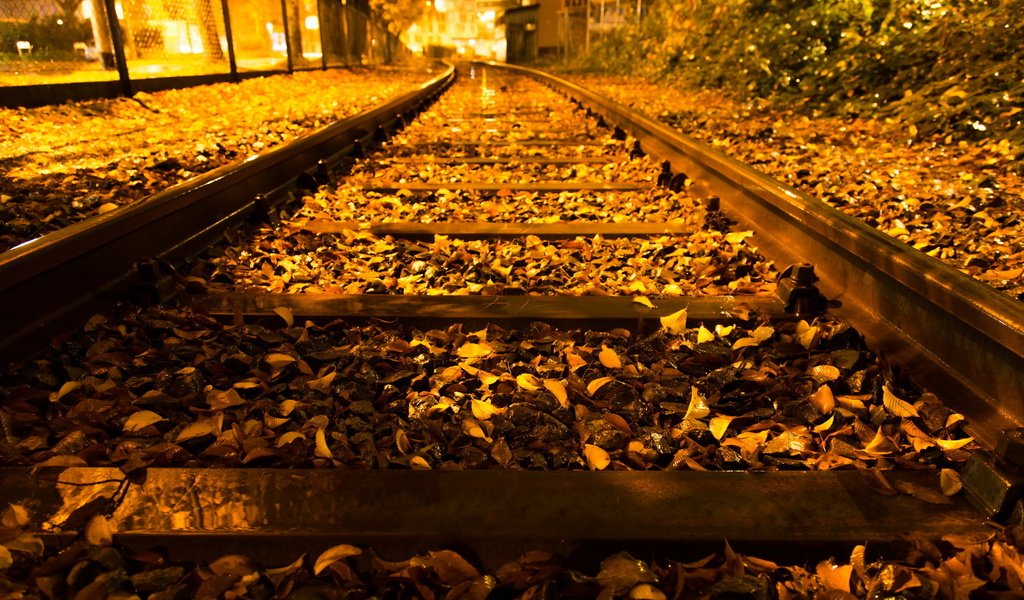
pixel 640 171
pixel 951 568
pixel 348 203
pixel 959 202
pixel 168 387
pixel 62 164
pixel 360 262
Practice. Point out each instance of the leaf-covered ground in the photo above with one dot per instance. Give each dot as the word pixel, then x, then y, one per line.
pixel 93 566
pixel 959 202
pixel 171 387
pixel 63 164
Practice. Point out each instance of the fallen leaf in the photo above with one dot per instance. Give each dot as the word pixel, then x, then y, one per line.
pixel 285 313
pixel 528 382
pixel 644 300
pixel 675 322
pixel 557 389
pixel 98 531
pixel 949 481
pixel 597 384
pixel 140 420
pixel 597 458
pixel 896 405
pixel 609 358
pixel 334 554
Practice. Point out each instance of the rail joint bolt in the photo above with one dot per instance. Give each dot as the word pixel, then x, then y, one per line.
pixel 798 292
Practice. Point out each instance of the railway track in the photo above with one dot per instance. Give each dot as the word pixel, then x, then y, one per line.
pixel 494 290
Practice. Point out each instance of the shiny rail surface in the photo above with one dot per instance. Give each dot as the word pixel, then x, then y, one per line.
pixel 898 297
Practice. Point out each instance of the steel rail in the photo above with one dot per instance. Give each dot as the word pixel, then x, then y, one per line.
pixel 904 302
pixel 58 279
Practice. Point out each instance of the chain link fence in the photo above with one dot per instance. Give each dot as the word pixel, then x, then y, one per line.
pixel 65 41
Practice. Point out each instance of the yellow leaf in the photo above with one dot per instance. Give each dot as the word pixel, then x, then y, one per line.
pixel 597 458
pixel 557 389
pixel 140 420
pixel 896 405
pixel 198 429
pixel 719 425
pixel 321 445
pixel 949 481
pixel 643 300
pixel 809 338
pixel 823 400
pixel 597 384
pixel 473 428
pixel 698 408
pixel 333 555
pixel 744 343
pixel 826 425
pixel 737 236
pixel 704 335
pixel 486 377
pixel 15 517
pixel 323 384
pixel 98 531
pixel 6 558
pixel 64 390
pixel 675 322
pixel 483 409
pixel 471 350
pixel 763 333
pixel 285 313
pixel 419 463
pixel 528 382
pixel 724 330
pixel 954 444
pixel 63 460
pixel 287 406
pixel 880 444
pixel 833 577
pixel 278 360
pixel 609 358
pixel 289 437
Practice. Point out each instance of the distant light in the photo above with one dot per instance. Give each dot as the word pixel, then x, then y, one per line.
pixel 472 43
pixel 979 126
pixel 908 25
pixel 312 22
pixel 118 10
pixel 488 16
pixel 441 6
pixel 60 21
pixel 270 27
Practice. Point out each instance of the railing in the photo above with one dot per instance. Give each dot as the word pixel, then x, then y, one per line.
pixel 57 50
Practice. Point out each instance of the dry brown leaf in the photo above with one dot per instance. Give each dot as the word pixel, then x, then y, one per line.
pixel 823 400
pixel 896 405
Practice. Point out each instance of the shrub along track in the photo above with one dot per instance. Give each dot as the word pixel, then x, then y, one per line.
pixel 396 324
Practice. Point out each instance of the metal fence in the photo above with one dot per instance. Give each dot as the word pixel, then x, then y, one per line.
pixel 73 41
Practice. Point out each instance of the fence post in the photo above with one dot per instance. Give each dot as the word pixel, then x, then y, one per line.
pixel 118 41
pixel 323 41
pixel 231 40
pixel 287 38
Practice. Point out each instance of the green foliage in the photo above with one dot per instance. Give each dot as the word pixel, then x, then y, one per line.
pixel 948 66
pixel 48 39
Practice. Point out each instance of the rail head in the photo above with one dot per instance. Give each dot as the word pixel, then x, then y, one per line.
pixel 896 295
pixel 53 281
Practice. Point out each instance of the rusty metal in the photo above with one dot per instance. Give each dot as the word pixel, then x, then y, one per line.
pixel 559 311
pixel 963 337
pixel 67 275
pixel 276 514
pixel 484 230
